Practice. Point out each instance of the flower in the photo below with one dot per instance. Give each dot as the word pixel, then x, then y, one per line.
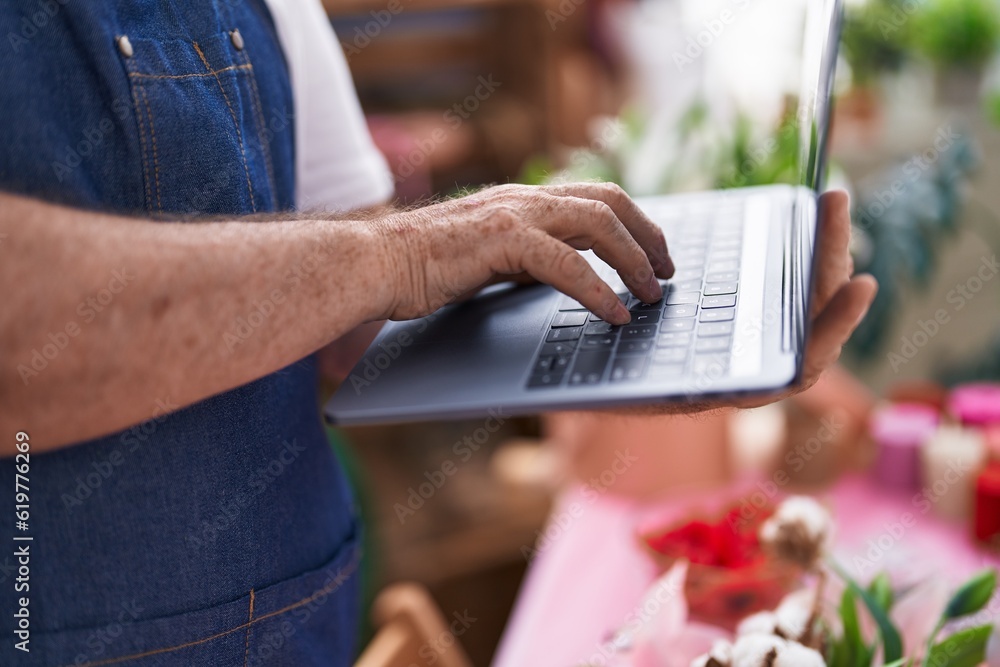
pixel 798 531
pixel 721 655
pixel 797 655
pixel 760 650
pixel 757 650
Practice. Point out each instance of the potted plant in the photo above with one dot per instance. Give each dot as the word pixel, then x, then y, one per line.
pixel 959 37
pixel 875 42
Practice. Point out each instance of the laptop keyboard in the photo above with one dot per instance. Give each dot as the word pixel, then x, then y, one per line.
pixel 689 331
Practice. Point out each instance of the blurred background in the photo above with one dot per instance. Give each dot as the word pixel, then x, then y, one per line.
pixel 665 96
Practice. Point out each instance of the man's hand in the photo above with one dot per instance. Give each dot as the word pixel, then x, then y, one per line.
pixel 438 253
pixel 840 300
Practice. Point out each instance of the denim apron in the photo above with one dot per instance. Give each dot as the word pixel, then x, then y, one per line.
pixel 223 533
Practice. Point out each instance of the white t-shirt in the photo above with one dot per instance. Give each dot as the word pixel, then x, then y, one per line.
pixel 337 166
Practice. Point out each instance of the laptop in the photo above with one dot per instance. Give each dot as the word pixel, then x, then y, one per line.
pixel 733 320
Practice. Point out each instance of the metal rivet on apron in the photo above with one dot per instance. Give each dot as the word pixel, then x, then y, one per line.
pixel 125 46
pixel 237 39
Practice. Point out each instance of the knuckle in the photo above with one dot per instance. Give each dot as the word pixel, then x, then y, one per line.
pixel 571 265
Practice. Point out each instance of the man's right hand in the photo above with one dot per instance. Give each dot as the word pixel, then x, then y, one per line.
pixel 436 254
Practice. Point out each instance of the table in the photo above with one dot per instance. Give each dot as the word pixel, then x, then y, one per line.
pixel 589 573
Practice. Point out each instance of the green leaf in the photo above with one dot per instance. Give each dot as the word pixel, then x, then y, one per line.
pixel 881 590
pixel 972 595
pixel 892 645
pixel 963 649
pixel 897 663
pixel 854 647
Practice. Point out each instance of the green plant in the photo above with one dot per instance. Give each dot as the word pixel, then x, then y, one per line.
pixel 875 39
pixel 966 647
pixel 957 32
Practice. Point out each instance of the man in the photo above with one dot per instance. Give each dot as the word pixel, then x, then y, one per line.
pixel 191 211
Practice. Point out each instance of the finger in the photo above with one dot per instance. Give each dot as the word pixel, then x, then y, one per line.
pixel 588 224
pixel 553 262
pixel 647 234
pixel 835 324
pixel 834 264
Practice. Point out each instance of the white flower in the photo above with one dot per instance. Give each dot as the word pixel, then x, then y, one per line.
pixel 793 614
pixel 761 623
pixel 798 531
pixel 721 655
pixel 797 655
pixel 757 650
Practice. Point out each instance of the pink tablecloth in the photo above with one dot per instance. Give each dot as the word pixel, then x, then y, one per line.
pixel 588 573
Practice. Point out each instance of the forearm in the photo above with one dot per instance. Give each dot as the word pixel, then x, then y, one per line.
pixel 105 316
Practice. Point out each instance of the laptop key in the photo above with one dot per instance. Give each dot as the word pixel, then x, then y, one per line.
pixel 719 301
pixel 714 289
pixel 636 305
pixel 665 371
pixel 568 333
pixel 627 369
pixel 718 314
pixel 710 365
pixel 569 319
pixel 545 380
pixel 594 342
pixel 639 331
pixel 678 298
pixel 673 312
pixel 718 344
pixel 598 329
pixel 674 339
pixel 681 286
pixel 562 348
pixel 723 276
pixel 589 367
pixel 715 329
pixel 670 355
pixel 544 364
pixel 645 317
pixel 685 324
pixel 638 346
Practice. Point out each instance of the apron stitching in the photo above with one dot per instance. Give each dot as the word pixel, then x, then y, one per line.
pixel 261 127
pixel 156 161
pixel 246 642
pixel 236 124
pixel 144 75
pixel 142 140
pixel 341 577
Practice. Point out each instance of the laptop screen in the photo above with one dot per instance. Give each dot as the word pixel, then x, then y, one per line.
pixel 819 61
